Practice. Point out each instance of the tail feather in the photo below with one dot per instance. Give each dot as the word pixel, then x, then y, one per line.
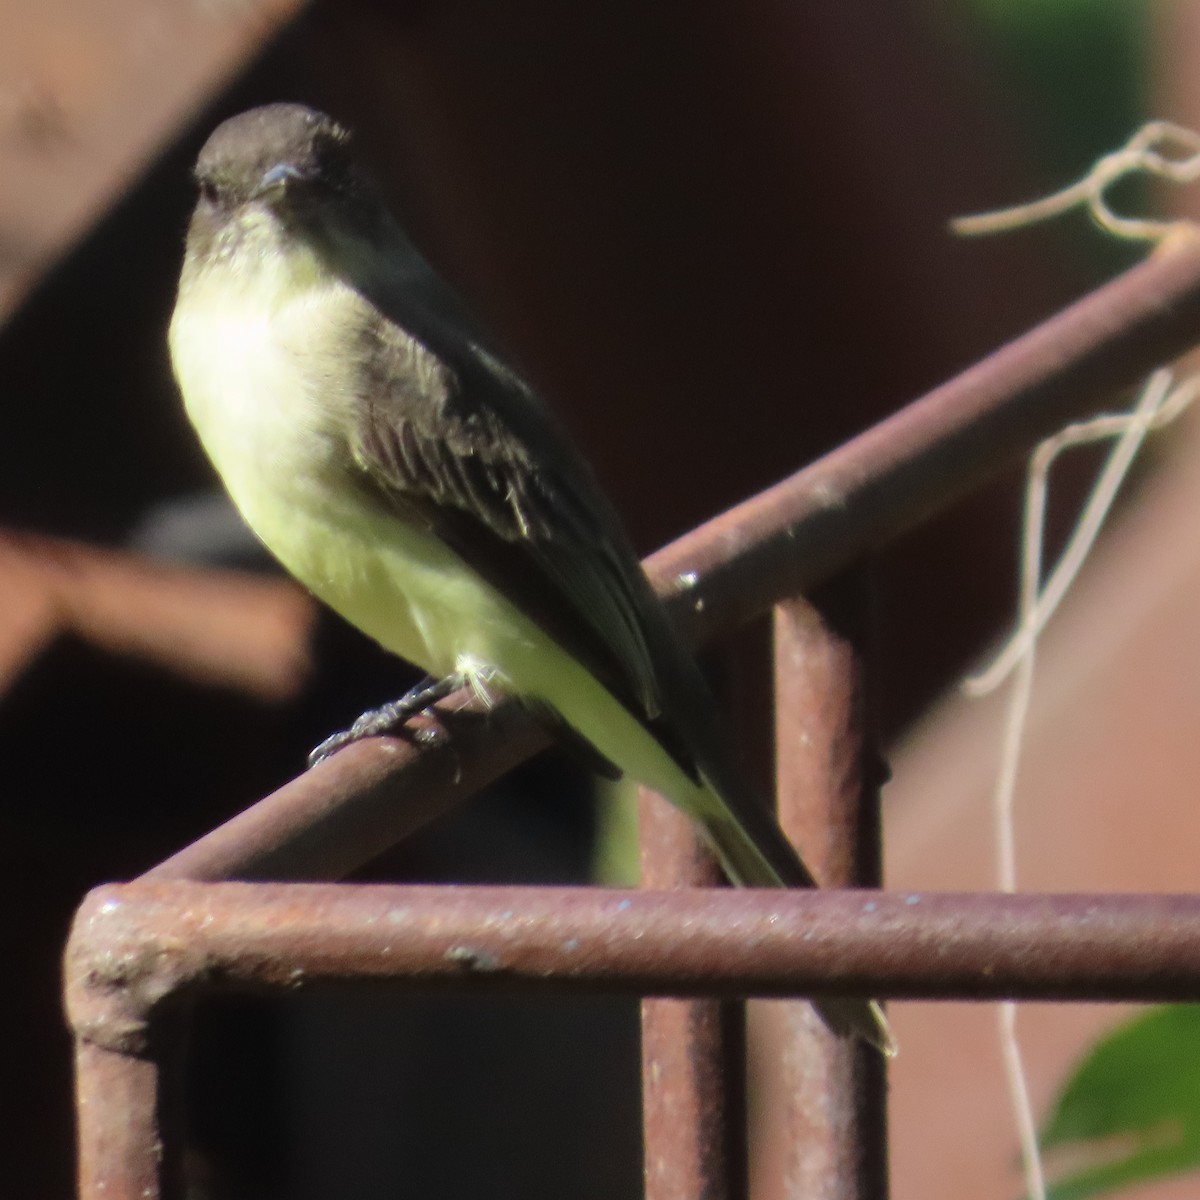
pixel 708 787
pixel 859 1018
pixel 763 857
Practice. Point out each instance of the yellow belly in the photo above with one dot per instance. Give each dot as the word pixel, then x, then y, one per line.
pixel 418 599
pixel 397 583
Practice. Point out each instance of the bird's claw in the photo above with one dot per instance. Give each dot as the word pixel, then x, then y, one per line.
pixel 384 719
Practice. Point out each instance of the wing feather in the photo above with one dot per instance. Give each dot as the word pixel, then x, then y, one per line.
pixel 471 452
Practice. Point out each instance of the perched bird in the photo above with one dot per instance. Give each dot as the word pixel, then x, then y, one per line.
pixel 414 482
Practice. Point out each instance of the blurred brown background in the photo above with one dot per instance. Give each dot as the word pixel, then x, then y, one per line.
pixel 716 238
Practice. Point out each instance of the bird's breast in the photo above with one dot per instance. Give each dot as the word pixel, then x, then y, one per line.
pixel 258 371
pixel 270 388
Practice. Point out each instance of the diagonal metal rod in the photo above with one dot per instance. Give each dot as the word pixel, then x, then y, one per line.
pixel 924 457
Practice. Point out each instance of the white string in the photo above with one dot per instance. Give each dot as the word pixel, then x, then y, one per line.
pixel 1003 805
pixel 1160 148
pixel 1158 404
pixel 1166 151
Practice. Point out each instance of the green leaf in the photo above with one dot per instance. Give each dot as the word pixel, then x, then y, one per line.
pixel 1131 1111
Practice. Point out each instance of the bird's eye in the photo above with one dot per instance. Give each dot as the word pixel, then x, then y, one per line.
pixel 208 190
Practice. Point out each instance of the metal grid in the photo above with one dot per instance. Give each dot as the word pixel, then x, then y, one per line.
pixel 139 950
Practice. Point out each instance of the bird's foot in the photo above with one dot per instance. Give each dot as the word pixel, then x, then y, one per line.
pixel 387 717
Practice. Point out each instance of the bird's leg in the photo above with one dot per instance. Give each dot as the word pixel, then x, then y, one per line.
pixel 384 719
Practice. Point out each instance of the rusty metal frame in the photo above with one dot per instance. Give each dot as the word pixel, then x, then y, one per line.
pixel 139 951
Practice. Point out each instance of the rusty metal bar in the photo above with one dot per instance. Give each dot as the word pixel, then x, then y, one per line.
pixel 128 1073
pixel 134 944
pixel 920 460
pixel 828 775
pixel 693 1051
pixel 827 1107
pixel 772 546
pixel 121 1142
pixel 353 806
pixel 136 949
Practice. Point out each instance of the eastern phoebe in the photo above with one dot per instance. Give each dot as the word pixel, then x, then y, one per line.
pixel 408 477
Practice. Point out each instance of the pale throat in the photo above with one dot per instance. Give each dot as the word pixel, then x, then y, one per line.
pixel 255 346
